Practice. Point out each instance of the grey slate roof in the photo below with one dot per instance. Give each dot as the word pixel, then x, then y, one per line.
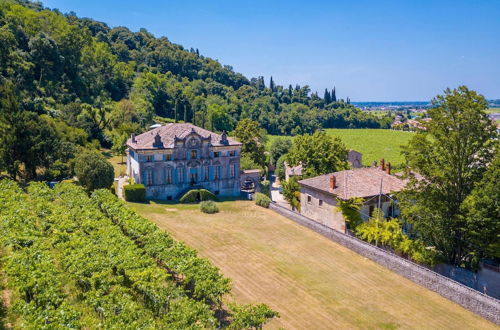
pixel 361 182
pixel 169 132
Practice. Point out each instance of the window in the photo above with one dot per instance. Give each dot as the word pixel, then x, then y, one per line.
pixel 206 173
pixel 168 178
pixel 232 153
pixel 167 157
pixel 232 170
pixel 149 158
pixel 181 174
pixel 309 199
pixel 216 154
pixel 372 208
pixel 320 202
pixel 217 168
pixel 149 177
pixel 194 154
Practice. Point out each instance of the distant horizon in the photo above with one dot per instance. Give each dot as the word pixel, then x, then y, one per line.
pixel 386 51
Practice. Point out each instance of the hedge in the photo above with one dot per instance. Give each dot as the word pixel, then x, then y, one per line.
pixel 262 200
pixel 134 193
pixel 190 197
pixel 209 207
pixel 195 196
pixel 206 195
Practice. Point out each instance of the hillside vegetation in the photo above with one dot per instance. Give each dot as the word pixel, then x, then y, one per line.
pixel 70 265
pixel 75 82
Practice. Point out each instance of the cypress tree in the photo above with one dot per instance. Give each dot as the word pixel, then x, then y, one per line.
pixel 271 85
pixel 327 98
pixel 334 96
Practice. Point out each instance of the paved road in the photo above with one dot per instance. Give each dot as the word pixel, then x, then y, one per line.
pixel 275 194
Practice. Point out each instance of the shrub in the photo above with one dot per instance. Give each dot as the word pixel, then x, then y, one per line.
pixel 265 187
pixel 205 195
pixel 113 189
pixel 191 196
pixel 209 207
pixel 93 170
pixel 262 200
pixel 134 193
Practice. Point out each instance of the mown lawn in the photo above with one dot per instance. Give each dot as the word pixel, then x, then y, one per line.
pixel 313 282
pixel 372 143
pixel 119 163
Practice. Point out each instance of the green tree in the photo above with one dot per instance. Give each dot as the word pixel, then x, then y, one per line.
pixel 27 141
pixel 350 210
pixel 291 192
pixel 318 153
pixel 251 136
pixel 279 147
pixel 93 170
pixel 481 213
pixel 452 157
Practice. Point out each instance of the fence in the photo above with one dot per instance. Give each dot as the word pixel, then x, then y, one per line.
pixel 486 306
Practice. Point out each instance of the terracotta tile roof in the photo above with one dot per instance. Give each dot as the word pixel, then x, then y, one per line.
pixel 169 132
pixel 361 182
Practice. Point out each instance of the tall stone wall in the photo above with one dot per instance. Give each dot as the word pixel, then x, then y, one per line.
pixel 486 306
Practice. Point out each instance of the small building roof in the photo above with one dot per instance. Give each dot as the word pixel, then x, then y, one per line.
pixel 170 132
pixel 361 182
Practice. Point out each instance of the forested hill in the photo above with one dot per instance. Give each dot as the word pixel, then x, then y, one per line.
pixel 90 82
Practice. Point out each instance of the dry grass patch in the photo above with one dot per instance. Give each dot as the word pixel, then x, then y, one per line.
pixel 313 282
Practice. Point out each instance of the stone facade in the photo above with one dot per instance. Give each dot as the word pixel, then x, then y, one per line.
pixel 318 195
pixel 171 159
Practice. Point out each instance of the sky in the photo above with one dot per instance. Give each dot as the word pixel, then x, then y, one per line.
pixel 369 50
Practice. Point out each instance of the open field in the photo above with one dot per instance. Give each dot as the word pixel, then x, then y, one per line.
pixel 372 143
pixel 313 282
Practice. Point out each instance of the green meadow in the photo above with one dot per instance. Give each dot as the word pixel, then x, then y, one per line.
pixel 372 143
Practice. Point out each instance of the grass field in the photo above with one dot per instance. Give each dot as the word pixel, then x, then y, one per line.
pixel 313 282
pixel 372 143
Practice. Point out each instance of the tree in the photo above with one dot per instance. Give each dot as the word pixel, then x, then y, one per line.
pixel 291 192
pixel 481 211
pixel 250 135
pixel 334 95
pixel 452 157
pixel 318 153
pixel 327 98
pixel 350 210
pixel 279 147
pixel 119 145
pixel 272 87
pixel 93 170
pixel 27 141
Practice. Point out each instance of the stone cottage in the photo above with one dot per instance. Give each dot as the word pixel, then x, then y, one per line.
pixel 318 195
pixel 171 159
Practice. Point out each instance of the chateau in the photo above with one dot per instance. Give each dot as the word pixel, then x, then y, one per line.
pixel 171 159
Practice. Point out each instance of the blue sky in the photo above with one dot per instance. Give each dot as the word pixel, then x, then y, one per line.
pixel 370 50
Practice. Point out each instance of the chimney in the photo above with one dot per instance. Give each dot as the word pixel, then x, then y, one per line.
pixel 333 182
pixel 388 168
pixel 382 164
pixel 132 136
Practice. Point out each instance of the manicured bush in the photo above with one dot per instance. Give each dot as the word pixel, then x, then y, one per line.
pixel 93 170
pixel 209 207
pixel 265 187
pixel 134 192
pixel 262 200
pixel 206 195
pixel 113 189
pixel 191 196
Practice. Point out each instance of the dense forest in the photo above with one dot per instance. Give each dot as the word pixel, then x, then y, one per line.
pixel 76 81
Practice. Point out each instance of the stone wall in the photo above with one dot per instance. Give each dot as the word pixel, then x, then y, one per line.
pixel 486 306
